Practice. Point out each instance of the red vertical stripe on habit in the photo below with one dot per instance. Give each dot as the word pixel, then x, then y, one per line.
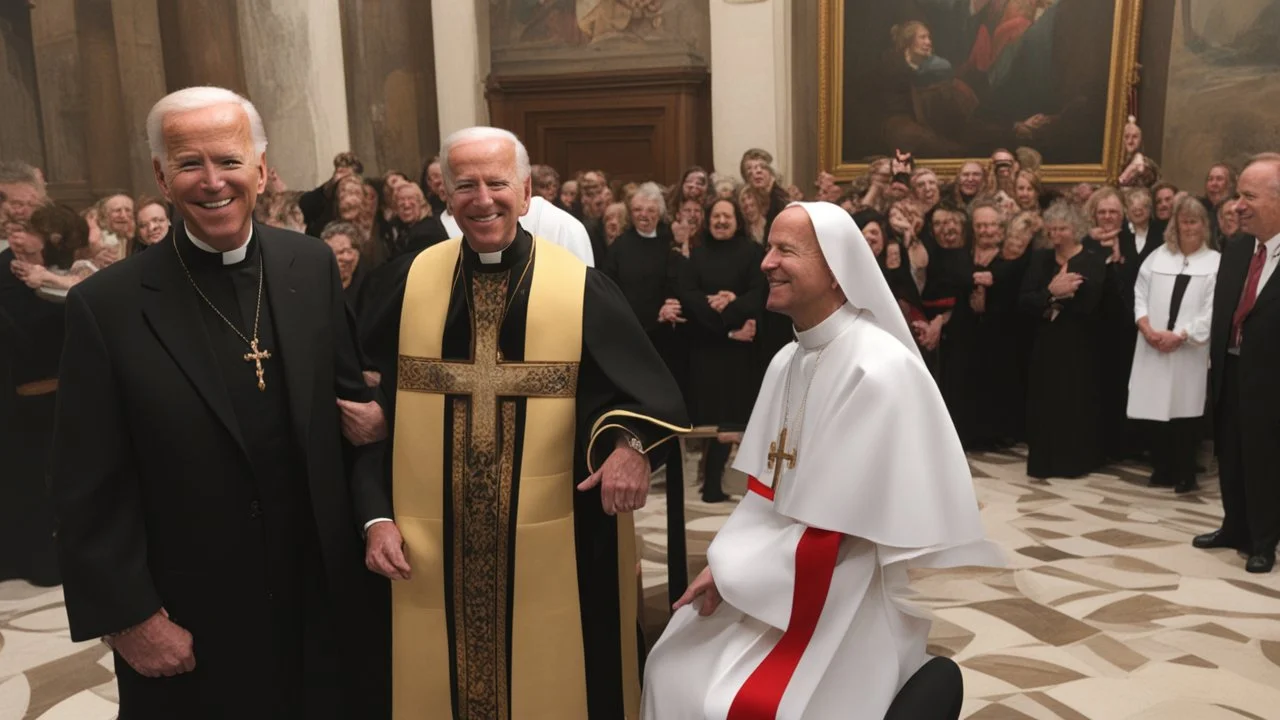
pixel 759 488
pixel 759 696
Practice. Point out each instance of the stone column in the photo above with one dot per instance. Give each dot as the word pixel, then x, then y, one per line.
pixel 201 44
pixel 62 104
pixel 461 33
pixel 20 132
pixel 292 55
pixel 750 82
pixel 105 122
pixel 391 86
pixel 142 82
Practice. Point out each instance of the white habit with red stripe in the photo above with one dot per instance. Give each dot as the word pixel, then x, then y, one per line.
pixel 815 622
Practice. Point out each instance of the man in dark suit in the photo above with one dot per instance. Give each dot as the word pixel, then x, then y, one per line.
pixel 1245 352
pixel 206 522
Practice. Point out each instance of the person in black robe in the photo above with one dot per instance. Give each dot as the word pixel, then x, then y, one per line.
pixel 981 359
pixel 625 398
pixel 207 528
pixel 31 336
pixel 948 283
pixel 1063 290
pixel 722 289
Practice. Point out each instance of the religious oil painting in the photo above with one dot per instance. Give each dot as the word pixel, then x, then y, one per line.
pixel 952 80
pixel 558 36
pixel 1224 86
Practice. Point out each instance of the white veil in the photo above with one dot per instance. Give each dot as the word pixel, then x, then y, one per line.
pixel 856 269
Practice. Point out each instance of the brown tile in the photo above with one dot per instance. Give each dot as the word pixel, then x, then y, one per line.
pixel 1112 515
pixel 1116 537
pixel 1193 661
pixel 1241 713
pixel 1256 588
pixel 1084 580
pixel 1132 564
pixel 1116 652
pixel 1044 553
pixel 1271 651
pixel 1044 533
pixel 1044 624
pixel 1217 630
pixel 1066 599
pixel 56 681
pixel 1047 517
pixel 1064 712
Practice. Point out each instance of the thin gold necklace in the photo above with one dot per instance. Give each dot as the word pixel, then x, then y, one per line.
pixel 255 355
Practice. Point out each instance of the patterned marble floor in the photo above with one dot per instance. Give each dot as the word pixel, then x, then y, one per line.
pixel 1105 611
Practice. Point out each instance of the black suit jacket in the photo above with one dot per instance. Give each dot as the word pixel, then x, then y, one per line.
pixel 1259 351
pixel 153 485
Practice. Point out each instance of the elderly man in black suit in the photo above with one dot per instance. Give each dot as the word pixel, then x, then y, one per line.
pixel 207 527
pixel 1245 355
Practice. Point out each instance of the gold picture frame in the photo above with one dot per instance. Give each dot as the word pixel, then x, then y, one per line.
pixel 1122 76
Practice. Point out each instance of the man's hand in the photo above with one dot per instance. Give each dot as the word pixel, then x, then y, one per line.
pixel 984 279
pixel 1167 342
pixel 1065 284
pixel 623 481
pixel 384 551
pixel 372 378
pixel 928 334
pixel 705 586
pixel 157 648
pixel 362 423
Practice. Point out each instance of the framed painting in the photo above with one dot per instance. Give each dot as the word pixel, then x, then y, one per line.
pixel 952 80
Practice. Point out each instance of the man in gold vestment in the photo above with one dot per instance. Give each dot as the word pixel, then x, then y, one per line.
pixel 528 408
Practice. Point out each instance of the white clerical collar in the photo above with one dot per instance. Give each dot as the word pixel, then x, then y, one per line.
pixel 829 329
pixel 651 234
pixel 231 257
pixel 492 258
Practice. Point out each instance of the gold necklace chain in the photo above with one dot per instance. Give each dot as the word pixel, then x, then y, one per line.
pixel 255 355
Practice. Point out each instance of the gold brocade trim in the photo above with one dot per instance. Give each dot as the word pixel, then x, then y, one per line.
pixel 506 476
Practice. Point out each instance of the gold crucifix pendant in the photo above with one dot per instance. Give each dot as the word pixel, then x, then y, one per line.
pixel 777 454
pixel 256 357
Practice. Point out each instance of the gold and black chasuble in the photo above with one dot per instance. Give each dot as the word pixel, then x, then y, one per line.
pixel 522 603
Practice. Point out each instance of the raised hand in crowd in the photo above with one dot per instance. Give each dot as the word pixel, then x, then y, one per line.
pixel 681 231
pixel 1108 239
pixel 983 279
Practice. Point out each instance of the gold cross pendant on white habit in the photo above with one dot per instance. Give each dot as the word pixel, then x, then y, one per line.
pixel 777 454
pixel 256 357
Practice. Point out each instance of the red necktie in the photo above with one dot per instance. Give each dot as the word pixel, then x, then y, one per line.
pixel 1250 294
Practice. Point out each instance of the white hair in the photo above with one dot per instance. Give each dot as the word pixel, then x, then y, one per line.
pixel 199 98
pixel 481 132
pixel 653 192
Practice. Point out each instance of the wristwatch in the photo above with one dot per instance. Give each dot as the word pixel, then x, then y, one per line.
pixel 633 442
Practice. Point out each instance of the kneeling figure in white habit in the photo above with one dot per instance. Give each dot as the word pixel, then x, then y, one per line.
pixel 855 475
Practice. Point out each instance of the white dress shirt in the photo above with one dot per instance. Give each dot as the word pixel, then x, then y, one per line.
pixel 1273 259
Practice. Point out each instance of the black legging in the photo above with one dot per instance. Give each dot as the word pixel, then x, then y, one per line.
pixel 1173 451
pixel 717 456
pixel 935 692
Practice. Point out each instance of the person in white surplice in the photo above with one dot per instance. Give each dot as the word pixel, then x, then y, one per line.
pixel 1173 307
pixel 855 474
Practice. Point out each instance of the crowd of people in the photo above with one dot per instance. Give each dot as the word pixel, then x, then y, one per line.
pixel 1043 312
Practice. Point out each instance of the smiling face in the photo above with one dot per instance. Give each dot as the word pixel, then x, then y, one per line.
pixel 644 214
pixel 925 188
pixel 409 204
pixel 1139 210
pixel 20 201
pixel 211 174
pixel 723 222
pixel 488 196
pixel 119 209
pixel 1132 138
pixel 970 179
pixel 988 231
pixel 1192 232
pixel 1024 192
pixel 1061 234
pixel 1002 161
pixel 153 223
pixel 801 284
pixel 692 214
pixel 615 219
pixel 948 229
pixel 1259 205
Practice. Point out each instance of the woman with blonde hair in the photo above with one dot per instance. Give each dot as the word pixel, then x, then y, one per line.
pixel 1173 304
